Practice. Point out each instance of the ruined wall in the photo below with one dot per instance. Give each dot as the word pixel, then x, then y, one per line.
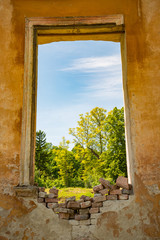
pixel 137 218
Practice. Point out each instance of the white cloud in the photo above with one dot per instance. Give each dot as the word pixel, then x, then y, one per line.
pixel 94 64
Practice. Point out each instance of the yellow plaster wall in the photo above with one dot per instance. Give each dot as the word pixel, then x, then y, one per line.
pixel 139 220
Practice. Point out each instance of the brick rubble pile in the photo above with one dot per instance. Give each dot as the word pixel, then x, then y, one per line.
pixel 82 209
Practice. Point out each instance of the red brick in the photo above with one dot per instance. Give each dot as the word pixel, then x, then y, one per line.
pixel 104 191
pixel 52 205
pixel 81 217
pixel 112 197
pixel 100 199
pixel 64 215
pixel 94 210
pixel 122 182
pixel 73 205
pixel 64 210
pixel 97 204
pixel 123 197
pixel 116 192
pixel 105 183
pixel 114 187
pixel 97 188
pixel 51 200
pixel 40 200
pixel 85 204
pixel 41 189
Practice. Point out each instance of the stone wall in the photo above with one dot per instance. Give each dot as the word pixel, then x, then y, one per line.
pixel 136 218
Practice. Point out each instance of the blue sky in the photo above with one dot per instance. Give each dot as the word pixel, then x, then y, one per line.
pixel 73 78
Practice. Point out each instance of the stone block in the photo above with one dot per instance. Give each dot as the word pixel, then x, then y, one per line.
pixel 51 200
pixel 80 200
pixel 73 205
pixel 116 192
pixel 42 194
pixel 104 191
pixel 40 200
pixel 97 188
pixel 105 183
pixel 52 205
pixel 52 195
pixel 64 215
pixel 112 197
pixel 81 217
pixel 99 199
pixel 122 182
pixel 85 204
pixel 97 204
pixel 83 211
pixel 94 210
pixel 123 197
pixel 54 190
pixel 88 199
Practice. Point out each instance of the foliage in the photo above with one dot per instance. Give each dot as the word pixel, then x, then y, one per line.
pixel 99 151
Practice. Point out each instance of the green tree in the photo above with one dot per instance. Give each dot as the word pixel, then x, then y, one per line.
pixel 115 156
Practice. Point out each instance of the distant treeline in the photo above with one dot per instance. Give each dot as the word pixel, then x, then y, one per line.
pixel 99 151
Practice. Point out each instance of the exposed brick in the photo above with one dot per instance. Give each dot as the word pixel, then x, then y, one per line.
pixel 88 199
pixel 83 211
pixel 122 182
pixel 42 194
pixel 116 191
pixel 123 197
pixel 105 183
pixel 64 210
pixel 51 200
pixel 97 188
pixel 80 200
pixel 126 191
pixel 52 205
pixel 85 204
pixel 54 190
pixel 100 199
pixel 73 205
pixel 112 197
pixel 81 217
pixel 40 200
pixel 97 204
pixel 114 187
pixel 104 191
pixel 70 199
pixel 97 195
pixel 94 210
pixel 52 195
pixel 64 215
pixel 62 205
pixel 41 189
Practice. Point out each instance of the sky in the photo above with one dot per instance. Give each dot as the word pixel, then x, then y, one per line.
pixel 73 78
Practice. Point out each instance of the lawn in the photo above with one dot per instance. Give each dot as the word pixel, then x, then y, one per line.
pixel 77 192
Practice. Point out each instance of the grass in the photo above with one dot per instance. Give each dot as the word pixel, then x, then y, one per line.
pixel 70 192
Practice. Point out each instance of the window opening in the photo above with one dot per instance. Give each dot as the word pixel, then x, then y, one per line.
pixel 79 77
